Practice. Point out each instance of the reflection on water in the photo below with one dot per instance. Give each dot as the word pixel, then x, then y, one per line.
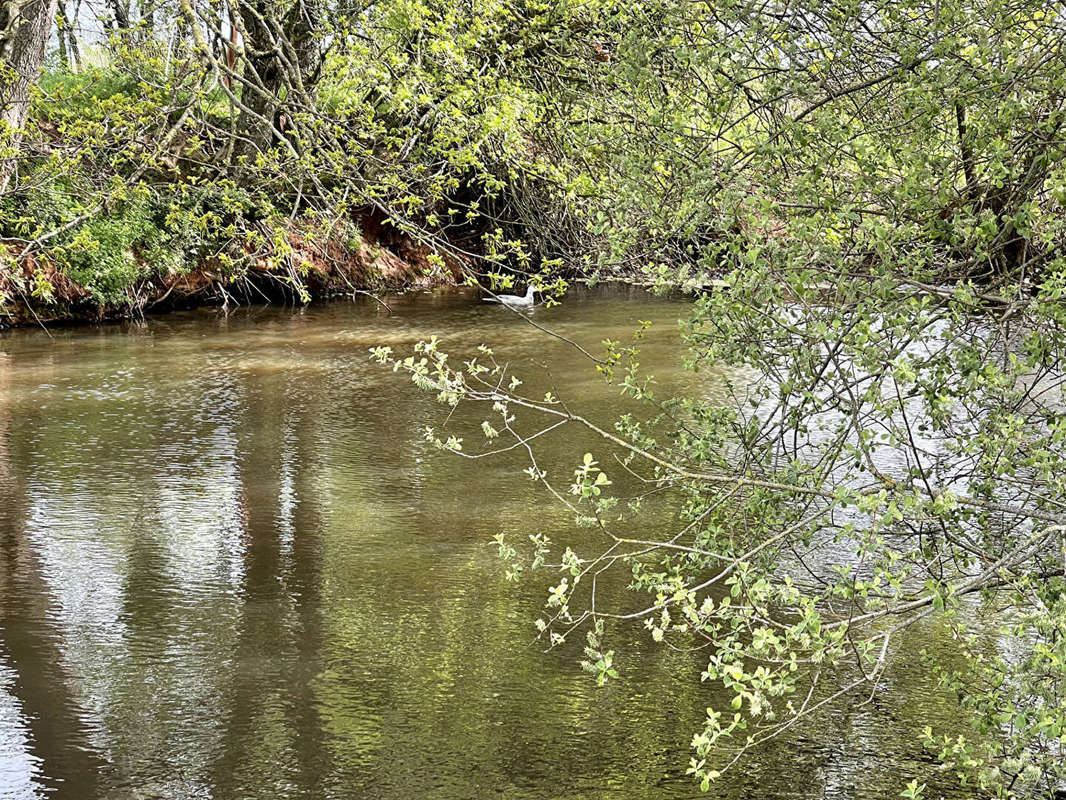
pixel 231 568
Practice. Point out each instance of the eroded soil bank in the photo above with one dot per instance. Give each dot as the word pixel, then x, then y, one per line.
pixel 298 266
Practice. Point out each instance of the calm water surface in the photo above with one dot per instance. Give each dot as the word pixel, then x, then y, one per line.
pixel 231 568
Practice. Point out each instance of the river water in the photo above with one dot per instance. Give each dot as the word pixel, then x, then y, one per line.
pixel 230 567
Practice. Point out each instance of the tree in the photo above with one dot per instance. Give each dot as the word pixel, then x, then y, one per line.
pixel 255 123
pixel 283 59
pixel 878 190
pixel 24 29
pixel 69 54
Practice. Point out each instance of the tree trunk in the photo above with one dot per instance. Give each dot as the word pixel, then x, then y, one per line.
pixel 280 53
pixel 263 75
pixel 304 20
pixel 24 29
pixel 122 15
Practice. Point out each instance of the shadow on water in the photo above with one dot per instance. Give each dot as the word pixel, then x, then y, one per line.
pixel 230 567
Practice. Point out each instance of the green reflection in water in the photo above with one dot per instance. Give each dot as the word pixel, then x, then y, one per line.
pixel 231 568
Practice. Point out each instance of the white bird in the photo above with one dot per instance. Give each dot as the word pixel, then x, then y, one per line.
pixel 514 300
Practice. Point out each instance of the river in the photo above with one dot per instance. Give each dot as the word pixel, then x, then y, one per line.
pixel 230 567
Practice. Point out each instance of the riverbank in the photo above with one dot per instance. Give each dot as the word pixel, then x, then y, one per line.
pixel 297 266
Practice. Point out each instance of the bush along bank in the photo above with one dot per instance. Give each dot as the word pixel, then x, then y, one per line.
pixel 117 265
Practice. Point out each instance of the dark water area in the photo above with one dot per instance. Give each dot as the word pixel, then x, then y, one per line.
pixel 231 567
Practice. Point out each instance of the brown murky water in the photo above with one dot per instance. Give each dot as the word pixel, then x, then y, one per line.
pixel 231 568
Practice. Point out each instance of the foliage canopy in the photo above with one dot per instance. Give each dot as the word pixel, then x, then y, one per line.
pixel 880 189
